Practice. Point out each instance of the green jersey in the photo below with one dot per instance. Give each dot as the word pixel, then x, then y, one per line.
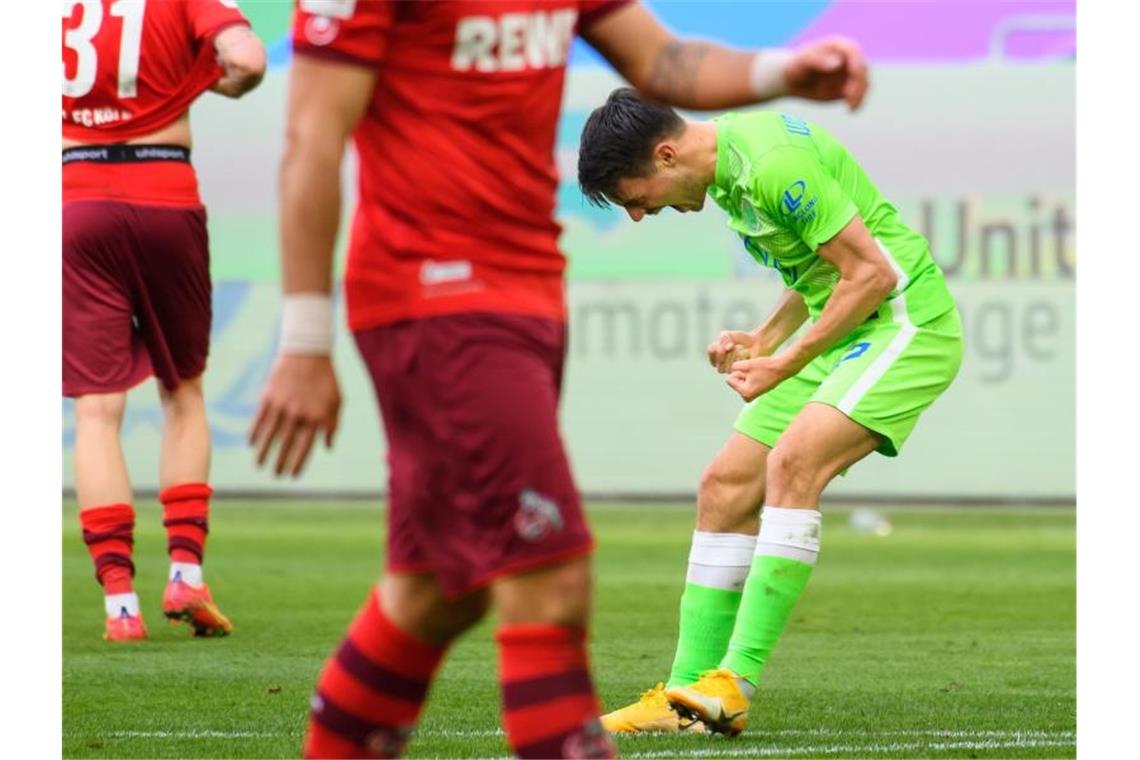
pixel 788 187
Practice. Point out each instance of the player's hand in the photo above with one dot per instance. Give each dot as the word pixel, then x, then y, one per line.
pixel 829 69
pixel 300 401
pixel 732 346
pixel 752 378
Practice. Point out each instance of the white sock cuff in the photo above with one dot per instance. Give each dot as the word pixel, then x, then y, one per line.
pixel 791 533
pixel 720 560
pixel 722 549
pixel 114 604
pixel 189 572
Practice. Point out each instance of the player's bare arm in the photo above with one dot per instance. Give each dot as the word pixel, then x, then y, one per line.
pixel 302 398
pixel 242 56
pixel 732 346
pixel 865 281
pixel 706 75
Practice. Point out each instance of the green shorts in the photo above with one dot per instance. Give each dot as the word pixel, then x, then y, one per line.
pixel 883 375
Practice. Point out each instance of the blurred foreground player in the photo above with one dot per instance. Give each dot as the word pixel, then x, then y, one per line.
pixel 885 341
pixel 455 296
pixel 136 284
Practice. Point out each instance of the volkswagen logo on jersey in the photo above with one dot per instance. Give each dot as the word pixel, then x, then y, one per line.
pixel 538 516
pixel 794 195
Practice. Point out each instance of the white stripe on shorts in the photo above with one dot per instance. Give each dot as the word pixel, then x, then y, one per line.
pixel 894 349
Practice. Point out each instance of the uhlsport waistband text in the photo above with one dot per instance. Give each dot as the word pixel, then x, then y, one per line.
pixel 125 154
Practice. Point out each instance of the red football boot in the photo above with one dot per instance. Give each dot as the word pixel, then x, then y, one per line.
pixel 124 627
pixel 194 605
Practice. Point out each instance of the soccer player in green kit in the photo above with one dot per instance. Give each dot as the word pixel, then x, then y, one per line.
pixel 885 341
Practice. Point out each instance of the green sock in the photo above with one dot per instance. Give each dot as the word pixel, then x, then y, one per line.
pixel 707 617
pixel 770 593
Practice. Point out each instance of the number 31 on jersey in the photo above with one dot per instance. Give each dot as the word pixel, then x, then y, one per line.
pixel 80 39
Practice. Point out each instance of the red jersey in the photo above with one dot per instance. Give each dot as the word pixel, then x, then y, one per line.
pixel 457 178
pixel 131 66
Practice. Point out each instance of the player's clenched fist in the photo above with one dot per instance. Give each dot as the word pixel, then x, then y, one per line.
pixel 828 69
pixel 731 346
pixel 301 399
pixel 752 378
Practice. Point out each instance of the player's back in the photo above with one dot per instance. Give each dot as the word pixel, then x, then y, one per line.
pixel 132 67
pixel 456 150
pixel 806 182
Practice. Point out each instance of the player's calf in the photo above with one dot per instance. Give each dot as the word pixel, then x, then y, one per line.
pixel 187 598
pixel 549 705
pixel 550 708
pixel 370 693
pixel 108 532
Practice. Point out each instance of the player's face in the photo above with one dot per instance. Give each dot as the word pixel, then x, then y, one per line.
pixel 666 187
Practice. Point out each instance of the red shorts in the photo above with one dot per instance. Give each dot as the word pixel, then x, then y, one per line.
pixel 480 484
pixel 136 295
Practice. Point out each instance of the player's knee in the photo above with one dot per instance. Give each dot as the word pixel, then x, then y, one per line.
pixel 792 473
pixel 101 409
pixel 186 399
pixel 416 604
pixel 726 496
pixel 556 596
pixel 716 486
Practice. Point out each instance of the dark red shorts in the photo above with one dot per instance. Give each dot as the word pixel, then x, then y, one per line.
pixel 480 485
pixel 136 295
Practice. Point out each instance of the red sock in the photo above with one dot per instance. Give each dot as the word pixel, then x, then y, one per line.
pixel 108 532
pixel 370 692
pixel 186 516
pixel 549 705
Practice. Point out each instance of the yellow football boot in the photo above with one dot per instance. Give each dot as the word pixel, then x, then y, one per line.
pixel 650 713
pixel 716 700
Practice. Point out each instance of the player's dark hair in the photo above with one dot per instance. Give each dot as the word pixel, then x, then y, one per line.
pixel 618 142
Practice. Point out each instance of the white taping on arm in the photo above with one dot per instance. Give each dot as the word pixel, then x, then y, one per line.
pixel 766 76
pixel 306 324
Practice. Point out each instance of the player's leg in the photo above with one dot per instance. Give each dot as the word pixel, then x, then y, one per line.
pixel 502 510
pixel 103 491
pixel 371 690
pixel 820 443
pixel 183 474
pixel 550 707
pixel 370 693
pixel 729 498
pixel 728 502
pixel 881 378
pixel 173 309
pixel 100 467
pixel 102 358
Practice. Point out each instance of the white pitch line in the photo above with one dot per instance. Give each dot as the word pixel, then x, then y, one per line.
pixel 839 749
pixel 932 733
pixel 459 733
pixel 755 734
pixel 203 734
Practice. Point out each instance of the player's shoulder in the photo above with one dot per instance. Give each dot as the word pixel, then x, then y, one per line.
pixel 761 144
pixel 764 135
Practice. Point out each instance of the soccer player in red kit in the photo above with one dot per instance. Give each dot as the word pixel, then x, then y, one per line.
pixel 456 299
pixel 136 281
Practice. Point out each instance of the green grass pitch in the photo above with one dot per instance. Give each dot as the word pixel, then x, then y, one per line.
pixel 952 637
